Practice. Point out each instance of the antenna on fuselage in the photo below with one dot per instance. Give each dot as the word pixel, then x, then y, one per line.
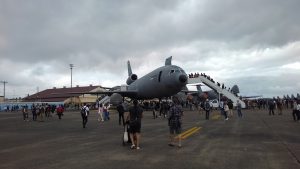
pixel 168 61
pixel 129 68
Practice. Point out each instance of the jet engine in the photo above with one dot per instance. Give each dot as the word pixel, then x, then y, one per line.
pixel 116 99
pixel 131 78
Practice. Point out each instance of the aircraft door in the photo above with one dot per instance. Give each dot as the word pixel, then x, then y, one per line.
pixel 159 76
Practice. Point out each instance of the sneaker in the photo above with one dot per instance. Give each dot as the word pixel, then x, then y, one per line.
pixel 138 148
pixel 226 118
pixel 132 146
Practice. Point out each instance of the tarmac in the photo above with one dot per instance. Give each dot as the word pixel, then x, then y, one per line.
pixel 256 141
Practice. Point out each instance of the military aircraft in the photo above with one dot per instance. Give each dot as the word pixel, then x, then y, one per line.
pixel 197 95
pixel 162 82
pixel 202 95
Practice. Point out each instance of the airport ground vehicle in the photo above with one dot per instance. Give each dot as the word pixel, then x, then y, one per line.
pixel 214 103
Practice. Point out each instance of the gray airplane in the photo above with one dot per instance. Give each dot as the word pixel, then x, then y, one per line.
pixel 203 95
pixel 198 95
pixel 162 82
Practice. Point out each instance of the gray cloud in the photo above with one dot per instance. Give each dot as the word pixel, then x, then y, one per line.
pixel 268 86
pixel 38 39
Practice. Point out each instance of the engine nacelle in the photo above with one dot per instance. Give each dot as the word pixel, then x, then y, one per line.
pixel 116 99
pixel 131 78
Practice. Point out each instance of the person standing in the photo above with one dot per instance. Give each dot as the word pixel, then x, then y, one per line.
pixel 230 106
pixel 271 107
pixel 106 112
pixel 41 112
pixel 279 106
pixel 121 111
pixel 59 111
pixel 135 116
pixel 298 111
pixel 47 111
pixel 25 113
pixel 222 106
pixel 207 109
pixel 175 122
pixel 153 107
pixel 295 111
pixel 239 109
pixel 84 114
pixel 156 108
pixel 226 110
pixel 100 112
pixel 33 111
pixel 53 108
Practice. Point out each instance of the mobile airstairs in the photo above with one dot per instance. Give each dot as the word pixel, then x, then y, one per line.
pixel 218 89
pixel 104 100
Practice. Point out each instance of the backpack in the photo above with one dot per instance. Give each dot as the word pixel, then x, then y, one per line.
pixel 207 106
pixel 83 111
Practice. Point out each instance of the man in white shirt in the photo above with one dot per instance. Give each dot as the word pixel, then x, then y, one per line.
pixel 84 114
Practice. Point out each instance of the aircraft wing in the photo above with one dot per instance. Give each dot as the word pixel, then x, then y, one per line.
pixel 185 91
pixel 190 91
pixel 251 97
pixel 130 93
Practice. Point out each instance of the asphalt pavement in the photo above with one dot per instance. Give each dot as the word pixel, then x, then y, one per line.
pixel 256 141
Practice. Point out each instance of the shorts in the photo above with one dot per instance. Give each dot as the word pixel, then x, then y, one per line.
pixel 175 129
pixel 135 129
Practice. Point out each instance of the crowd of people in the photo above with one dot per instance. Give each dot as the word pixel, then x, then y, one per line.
pixel 225 106
pixel 130 116
pixel 195 75
pixel 42 112
pixel 159 109
pixel 264 103
pixel 270 104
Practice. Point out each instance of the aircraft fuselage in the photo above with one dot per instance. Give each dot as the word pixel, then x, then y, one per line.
pixel 162 82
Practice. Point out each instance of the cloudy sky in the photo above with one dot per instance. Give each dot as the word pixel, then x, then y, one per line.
pixel 254 44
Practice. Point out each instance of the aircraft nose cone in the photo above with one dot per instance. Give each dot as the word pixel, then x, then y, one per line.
pixel 182 78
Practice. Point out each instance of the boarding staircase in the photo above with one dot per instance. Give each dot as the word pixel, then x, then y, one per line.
pixel 104 100
pixel 218 89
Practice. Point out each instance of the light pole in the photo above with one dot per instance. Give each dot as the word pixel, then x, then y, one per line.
pixel 71 67
pixel 4 82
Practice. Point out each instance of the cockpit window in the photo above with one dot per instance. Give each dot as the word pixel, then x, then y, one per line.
pixel 178 70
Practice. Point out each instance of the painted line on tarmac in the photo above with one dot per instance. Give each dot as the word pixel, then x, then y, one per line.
pixel 188 133
pixel 189 130
pixel 191 133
